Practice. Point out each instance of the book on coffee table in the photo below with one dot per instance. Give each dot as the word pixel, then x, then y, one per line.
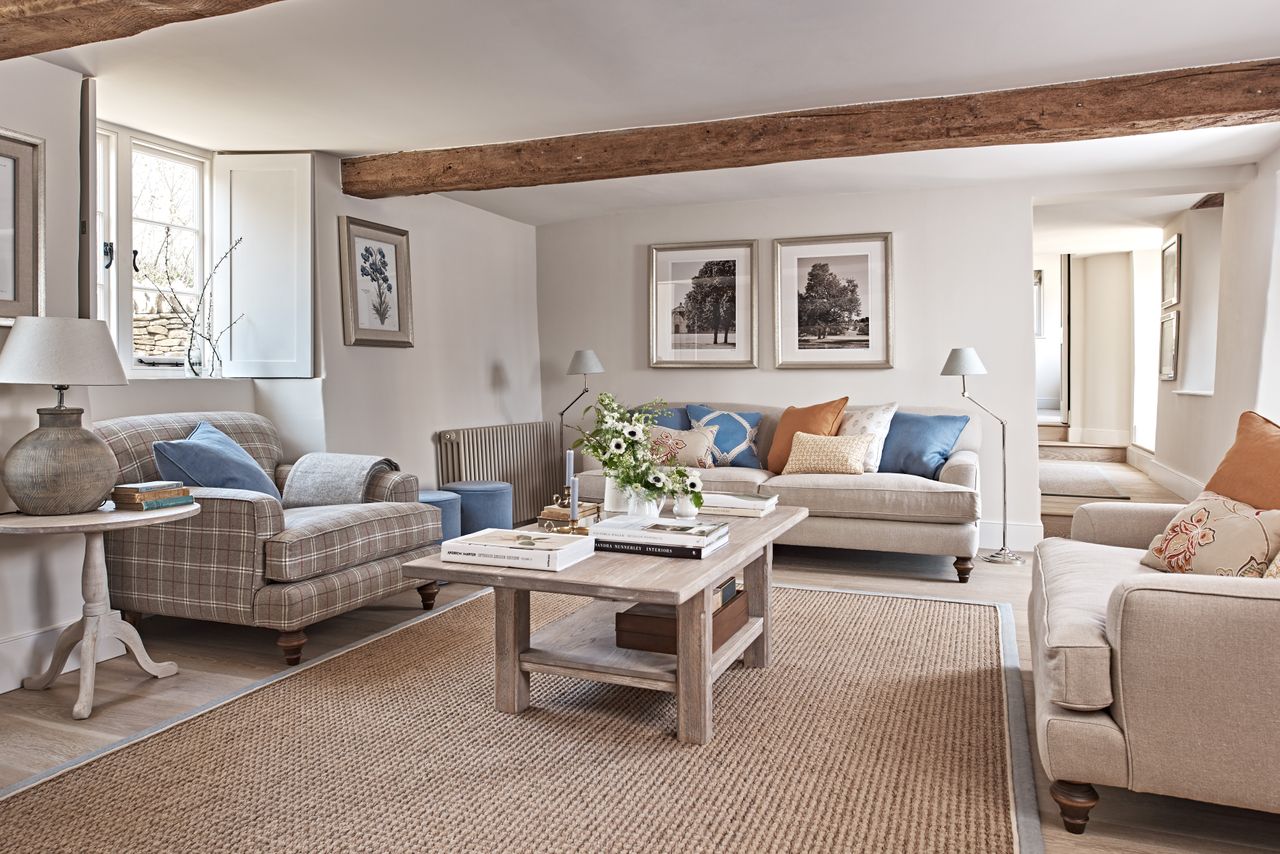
pixel 521 549
pixel 720 504
pixel 662 532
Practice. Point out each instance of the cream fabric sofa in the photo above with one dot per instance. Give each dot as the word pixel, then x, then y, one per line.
pixel 1150 681
pixel 874 511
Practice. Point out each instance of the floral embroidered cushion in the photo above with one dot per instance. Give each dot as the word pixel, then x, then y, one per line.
pixel 690 448
pixel 1215 535
pixel 812 454
pixel 736 439
pixel 869 419
pixel 821 419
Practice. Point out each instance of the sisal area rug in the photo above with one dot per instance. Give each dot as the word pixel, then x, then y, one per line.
pixel 884 724
pixel 1071 479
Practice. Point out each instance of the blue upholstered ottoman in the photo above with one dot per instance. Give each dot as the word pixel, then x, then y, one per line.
pixel 485 504
pixel 450 504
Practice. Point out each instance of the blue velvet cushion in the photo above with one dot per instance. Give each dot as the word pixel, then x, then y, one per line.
pixel 674 418
pixel 735 443
pixel 920 444
pixel 209 457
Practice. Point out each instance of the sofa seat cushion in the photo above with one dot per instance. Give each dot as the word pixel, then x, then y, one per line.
pixel 1071 585
pixel 319 540
pixel 893 497
pixel 734 480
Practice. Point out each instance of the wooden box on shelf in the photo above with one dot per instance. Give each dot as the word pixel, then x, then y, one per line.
pixel 653 627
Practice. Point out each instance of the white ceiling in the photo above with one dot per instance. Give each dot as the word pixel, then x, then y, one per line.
pixel 1115 224
pixel 398 74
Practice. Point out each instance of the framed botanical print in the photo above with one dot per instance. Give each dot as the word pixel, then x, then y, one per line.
pixel 1169 346
pixel 702 305
pixel 1171 271
pixel 377 292
pixel 833 301
pixel 21 215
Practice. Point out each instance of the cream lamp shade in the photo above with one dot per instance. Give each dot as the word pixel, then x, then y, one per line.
pixel 60 351
pixel 585 362
pixel 963 361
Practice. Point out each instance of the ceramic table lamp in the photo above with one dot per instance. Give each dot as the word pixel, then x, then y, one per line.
pixel 60 467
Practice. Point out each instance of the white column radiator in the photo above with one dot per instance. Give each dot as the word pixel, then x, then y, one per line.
pixel 524 455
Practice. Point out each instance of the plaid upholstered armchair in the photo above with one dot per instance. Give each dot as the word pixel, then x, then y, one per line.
pixel 245 559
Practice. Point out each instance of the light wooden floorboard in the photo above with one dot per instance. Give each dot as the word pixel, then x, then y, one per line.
pixel 37 732
pixel 1124 477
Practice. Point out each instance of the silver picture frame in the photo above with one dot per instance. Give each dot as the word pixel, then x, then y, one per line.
pixel 352 234
pixel 1169 346
pixel 22 220
pixel 1171 271
pixel 668 293
pixel 786 326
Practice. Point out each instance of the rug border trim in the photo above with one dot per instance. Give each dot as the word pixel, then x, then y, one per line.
pixel 85 758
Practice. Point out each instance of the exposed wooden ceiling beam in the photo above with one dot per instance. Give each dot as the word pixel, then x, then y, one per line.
pixel 29 27
pixel 1213 200
pixel 1211 96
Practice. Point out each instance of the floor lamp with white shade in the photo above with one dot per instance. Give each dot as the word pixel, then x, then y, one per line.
pixel 963 363
pixel 583 362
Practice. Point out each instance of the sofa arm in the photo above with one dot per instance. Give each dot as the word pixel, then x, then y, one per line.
pixel 1121 523
pixel 392 486
pixel 1196 681
pixel 961 468
pixel 204 567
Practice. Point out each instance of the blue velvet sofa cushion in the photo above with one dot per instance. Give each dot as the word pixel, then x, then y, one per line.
pixel 920 444
pixel 209 457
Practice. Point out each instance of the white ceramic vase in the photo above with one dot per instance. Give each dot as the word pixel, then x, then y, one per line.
pixel 615 497
pixel 640 504
pixel 683 508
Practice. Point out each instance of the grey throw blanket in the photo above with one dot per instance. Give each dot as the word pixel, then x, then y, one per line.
pixel 320 479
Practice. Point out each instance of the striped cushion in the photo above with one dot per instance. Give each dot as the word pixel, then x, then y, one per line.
pixel 320 540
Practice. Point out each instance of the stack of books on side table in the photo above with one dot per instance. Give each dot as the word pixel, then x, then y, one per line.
pixel 653 627
pixel 644 535
pixel 558 514
pixel 519 549
pixel 719 504
pixel 151 495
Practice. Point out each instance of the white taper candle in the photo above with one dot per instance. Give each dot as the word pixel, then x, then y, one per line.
pixel 568 466
pixel 573 501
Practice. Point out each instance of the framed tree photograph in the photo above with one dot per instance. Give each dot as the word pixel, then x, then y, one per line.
pixel 377 292
pixel 702 305
pixel 21 215
pixel 833 301
pixel 1169 346
pixel 1171 271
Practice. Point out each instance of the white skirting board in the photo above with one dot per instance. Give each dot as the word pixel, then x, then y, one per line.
pixel 1023 536
pixel 29 654
pixel 1171 479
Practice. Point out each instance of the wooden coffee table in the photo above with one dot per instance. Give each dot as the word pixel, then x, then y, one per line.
pixel 582 645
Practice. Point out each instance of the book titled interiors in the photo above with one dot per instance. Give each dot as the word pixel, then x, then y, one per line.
pixel 518 549
pixel 666 532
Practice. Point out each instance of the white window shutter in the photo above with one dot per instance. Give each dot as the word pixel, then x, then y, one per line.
pixel 265 201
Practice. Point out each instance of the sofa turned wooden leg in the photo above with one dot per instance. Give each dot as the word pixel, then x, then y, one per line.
pixel 291 644
pixel 1074 801
pixel 964 566
pixel 428 593
pixel 133 618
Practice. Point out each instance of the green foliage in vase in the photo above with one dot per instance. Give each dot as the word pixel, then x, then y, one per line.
pixel 620 441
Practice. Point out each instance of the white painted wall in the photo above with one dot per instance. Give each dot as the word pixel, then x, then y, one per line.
pixel 1049 346
pixel 1146 346
pixel 1201 232
pixel 40 576
pixel 475 323
pixel 961 262
pixel 1104 328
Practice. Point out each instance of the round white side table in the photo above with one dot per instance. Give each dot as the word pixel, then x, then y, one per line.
pixel 98 623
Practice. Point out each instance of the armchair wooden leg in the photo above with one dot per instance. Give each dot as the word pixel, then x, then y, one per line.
pixel 1074 801
pixel 964 566
pixel 428 593
pixel 291 644
pixel 133 618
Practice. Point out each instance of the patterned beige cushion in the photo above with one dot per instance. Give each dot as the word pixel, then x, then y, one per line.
pixel 691 448
pixel 319 540
pixel 1215 535
pixel 812 454
pixel 869 419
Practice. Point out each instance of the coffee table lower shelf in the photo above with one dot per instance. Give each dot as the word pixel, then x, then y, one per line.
pixel 582 645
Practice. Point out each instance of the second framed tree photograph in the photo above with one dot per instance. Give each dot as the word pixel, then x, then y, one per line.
pixel 833 301
pixel 702 305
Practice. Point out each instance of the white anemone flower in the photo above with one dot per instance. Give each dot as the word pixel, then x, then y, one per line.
pixel 694 484
pixel 632 432
pixel 658 480
pixel 617 446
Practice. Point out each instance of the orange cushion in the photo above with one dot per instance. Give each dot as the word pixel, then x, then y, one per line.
pixel 822 419
pixel 1250 472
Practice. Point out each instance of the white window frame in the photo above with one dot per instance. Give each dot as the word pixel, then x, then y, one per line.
pixel 105 172
pixel 125 139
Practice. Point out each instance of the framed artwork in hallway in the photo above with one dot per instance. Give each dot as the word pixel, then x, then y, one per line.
pixel 1169 346
pixel 377 292
pixel 702 305
pixel 833 301
pixel 1171 272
